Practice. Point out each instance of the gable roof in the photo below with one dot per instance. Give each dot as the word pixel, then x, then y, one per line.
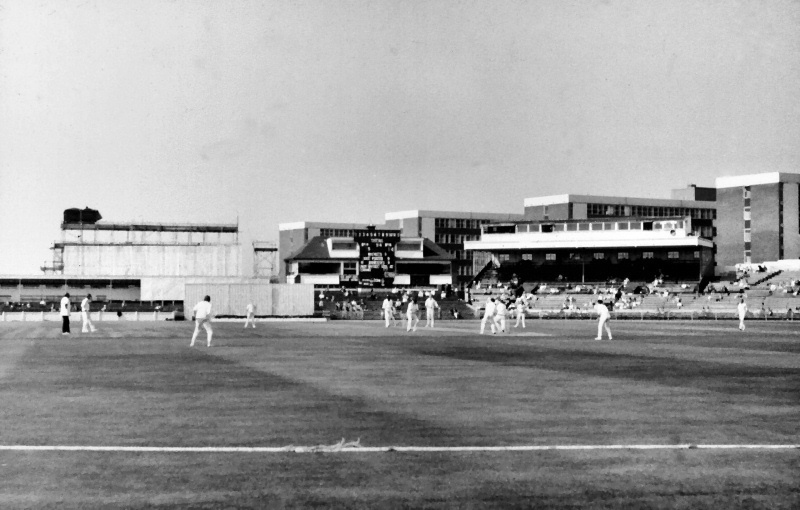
pixel 315 249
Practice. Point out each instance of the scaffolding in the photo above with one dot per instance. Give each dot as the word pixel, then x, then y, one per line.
pixel 265 259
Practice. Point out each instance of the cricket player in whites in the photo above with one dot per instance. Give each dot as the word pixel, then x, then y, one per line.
pixel 519 306
pixel 251 316
pixel 430 311
pixel 85 310
pixel 603 316
pixel 488 316
pixel 388 312
pixel 412 315
pixel 202 316
pixel 500 313
pixel 741 308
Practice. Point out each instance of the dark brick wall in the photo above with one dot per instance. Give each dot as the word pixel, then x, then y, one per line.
pixel 764 206
pixel 730 228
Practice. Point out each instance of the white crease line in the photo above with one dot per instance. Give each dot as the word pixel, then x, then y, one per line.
pixel 377 449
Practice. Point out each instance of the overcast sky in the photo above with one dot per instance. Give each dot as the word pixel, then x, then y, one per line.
pixel 282 111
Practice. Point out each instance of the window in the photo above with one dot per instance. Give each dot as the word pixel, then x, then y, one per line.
pixel 344 245
pixel 647 255
pixel 527 256
pixel 572 226
pixel 583 226
pixel 697 254
pixel 608 226
pixel 550 256
pixel 408 246
pixel 349 268
pixel 503 257
pixel 598 255
pixel 545 215
pixel 623 255
pixel 597 226
pixel 622 226
pixel 672 255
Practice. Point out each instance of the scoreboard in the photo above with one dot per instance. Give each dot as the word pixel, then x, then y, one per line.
pixel 376 260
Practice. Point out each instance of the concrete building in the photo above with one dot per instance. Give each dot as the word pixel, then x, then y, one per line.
pixel 292 237
pixel 156 258
pixel 597 249
pixel 450 230
pixel 370 258
pixel 758 219
pixel 582 207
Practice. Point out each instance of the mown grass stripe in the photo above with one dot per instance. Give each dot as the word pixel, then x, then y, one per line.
pixel 379 449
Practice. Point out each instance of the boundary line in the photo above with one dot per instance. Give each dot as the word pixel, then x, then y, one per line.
pixel 338 448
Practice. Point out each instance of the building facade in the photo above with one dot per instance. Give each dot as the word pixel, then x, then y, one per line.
pixel 370 258
pixel 583 207
pixel 292 237
pixel 597 249
pixel 154 260
pixel 758 219
pixel 450 230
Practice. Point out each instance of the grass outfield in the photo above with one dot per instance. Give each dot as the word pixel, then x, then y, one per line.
pixel 302 384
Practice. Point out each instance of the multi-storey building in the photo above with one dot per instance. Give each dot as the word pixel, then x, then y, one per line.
pixel 158 258
pixel 697 203
pixel 450 230
pixel 597 249
pixel 758 219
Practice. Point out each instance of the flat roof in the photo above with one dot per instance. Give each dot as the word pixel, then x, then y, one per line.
pixel 598 199
pixel 735 181
pixel 154 227
pixel 417 213
pixel 538 244
pixel 300 225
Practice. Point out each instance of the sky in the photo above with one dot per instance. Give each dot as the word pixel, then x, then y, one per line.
pixel 268 112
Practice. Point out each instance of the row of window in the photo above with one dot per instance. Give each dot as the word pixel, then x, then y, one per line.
pixel 455 238
pixel 622 255
pixel 598 210
pixel 571 227
pixel 336 232
pixel 459 223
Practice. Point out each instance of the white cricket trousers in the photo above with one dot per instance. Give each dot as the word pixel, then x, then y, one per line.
pixel 603 323
pixel 207 325
pixel 88 325
pixel 491 322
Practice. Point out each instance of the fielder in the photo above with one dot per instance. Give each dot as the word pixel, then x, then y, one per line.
pixel 85 309
pixel 603 316
pixel 519 305
pixel 251 315
pixel 202 316
pixel 412 315
pixel 430 310
pixel 501 311
pixel 742 309
pixel 388 312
